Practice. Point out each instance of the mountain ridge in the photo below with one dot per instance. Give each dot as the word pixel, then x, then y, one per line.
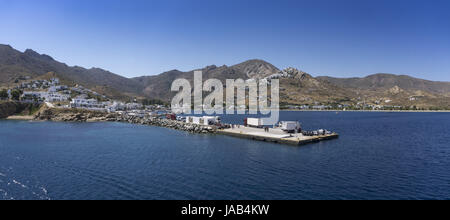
pixel 297 87
pixel 387 80
pixel 15 64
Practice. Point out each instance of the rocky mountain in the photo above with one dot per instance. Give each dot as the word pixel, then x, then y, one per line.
pixel 159 85
pixel 297 87
pixel 300 88
pixel 15 65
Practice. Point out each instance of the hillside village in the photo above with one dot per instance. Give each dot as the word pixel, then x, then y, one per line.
pixel 55 95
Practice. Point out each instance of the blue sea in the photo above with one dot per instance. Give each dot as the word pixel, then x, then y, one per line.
pixel 378 156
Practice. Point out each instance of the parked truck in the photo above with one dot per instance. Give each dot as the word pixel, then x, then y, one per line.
pixel 254 122
pixel 291 126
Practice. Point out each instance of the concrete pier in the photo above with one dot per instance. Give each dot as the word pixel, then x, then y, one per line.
pixel 275 135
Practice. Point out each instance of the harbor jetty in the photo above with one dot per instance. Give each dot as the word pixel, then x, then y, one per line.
pixel 289 133
pixel 276 135
pixel 286 132
pixel 83 115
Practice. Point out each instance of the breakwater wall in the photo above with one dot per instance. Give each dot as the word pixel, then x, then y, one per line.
pixel 275 135
pixel 80 115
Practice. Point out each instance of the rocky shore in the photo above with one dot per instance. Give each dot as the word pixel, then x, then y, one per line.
pixel 79 115
pixel 72 115
pixel 13 108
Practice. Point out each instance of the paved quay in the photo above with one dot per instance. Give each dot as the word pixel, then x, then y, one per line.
pixel 275 135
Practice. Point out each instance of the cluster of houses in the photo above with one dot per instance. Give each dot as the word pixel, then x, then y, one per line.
pixel 84 102
pixel 358 106
pixel 39 96
pixel 44 91
pixel 313 107
pixel 81 90
pixel 39 84
pixel 50 91
pixel 87 103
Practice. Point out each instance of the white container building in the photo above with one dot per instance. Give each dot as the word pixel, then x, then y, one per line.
pixel 205 120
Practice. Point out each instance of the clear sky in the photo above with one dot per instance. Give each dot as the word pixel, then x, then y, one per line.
pixel 340 38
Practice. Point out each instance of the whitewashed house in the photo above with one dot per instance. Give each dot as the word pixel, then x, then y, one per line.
pixel 56 97
pixel 57 88
pixel 33 96
pixel 86 103
pixel 115 106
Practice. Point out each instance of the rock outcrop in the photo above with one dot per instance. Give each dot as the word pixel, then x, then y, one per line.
pixel 290 73
pixel 73 115
pixel 9 108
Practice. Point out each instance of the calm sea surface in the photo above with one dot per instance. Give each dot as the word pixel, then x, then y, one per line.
pixel 378 156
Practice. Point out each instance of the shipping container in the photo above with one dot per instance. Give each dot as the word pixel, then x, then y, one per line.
pixel 255 122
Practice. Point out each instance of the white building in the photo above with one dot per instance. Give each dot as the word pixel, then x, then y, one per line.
pixel 86 103
pixel 56 88
pixel 56 97
pixel 44 96
pixel 34 96
pixel 134 106
pixel 205 120
pixel 116 106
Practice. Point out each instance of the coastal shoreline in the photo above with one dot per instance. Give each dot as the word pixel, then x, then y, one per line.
pixel 387 111
pixel 47 113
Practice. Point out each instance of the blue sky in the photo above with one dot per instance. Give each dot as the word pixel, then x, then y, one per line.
pixel 323 37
